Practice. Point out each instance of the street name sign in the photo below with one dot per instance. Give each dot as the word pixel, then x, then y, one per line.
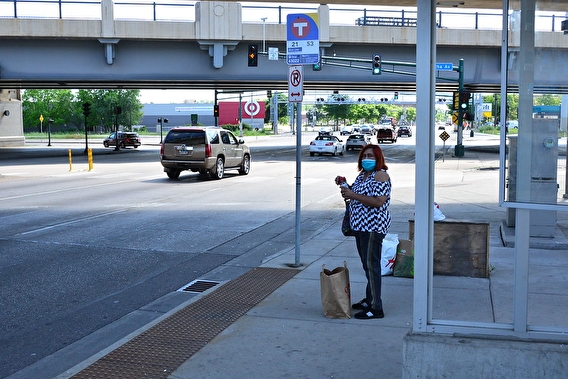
pixel 302 39
pixel 444 66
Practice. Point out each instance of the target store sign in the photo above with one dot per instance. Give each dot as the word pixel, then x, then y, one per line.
pixel 229 111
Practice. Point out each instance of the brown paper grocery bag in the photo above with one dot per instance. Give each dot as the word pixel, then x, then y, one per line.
pixel 335 292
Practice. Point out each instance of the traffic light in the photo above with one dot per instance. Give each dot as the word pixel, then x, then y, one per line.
pixel 269 93
pixel 396 95
pixel 464 100
pixel 253 56
pixel 117 110
pixel 216 110
pixel 316 66
pixel 376 64
pixel 86 109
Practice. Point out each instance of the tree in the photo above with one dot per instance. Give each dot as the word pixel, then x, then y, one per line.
pixel 66 108
pixel 548 99
pixel 51 104
pixel 104 103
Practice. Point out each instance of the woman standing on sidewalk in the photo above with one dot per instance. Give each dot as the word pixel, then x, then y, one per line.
pixel 369 199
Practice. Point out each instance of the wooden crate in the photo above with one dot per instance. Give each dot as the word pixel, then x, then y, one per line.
pixel 461 248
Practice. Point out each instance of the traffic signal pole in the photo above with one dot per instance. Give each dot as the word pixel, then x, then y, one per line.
pixel 458 149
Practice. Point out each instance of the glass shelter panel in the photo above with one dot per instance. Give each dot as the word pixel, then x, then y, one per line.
pixel 535 135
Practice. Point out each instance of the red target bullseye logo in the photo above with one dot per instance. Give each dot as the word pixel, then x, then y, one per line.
pixel 252 108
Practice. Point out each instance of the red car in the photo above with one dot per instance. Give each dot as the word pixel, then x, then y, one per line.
pixel 386 134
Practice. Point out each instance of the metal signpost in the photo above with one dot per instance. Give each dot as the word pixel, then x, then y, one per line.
pixel 302 47
pixel 444 136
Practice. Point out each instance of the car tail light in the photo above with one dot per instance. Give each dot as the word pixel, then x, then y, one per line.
pixel 312 143
pixel 162 149
pixel 208 151
pixel 329 144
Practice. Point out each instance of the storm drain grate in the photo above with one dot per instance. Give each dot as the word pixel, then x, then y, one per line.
pixel 160 350
pixel 198 286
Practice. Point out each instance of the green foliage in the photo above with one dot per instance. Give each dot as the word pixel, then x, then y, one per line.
pixel 350 112
pixel 548 99
pixel 65 108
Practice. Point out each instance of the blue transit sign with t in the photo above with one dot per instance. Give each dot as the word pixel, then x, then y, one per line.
pixel 302 42
pixel 444 66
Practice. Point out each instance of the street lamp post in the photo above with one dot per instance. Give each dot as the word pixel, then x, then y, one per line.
pixel 264 34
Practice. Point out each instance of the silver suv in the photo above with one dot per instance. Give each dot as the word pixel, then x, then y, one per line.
pixel 207 150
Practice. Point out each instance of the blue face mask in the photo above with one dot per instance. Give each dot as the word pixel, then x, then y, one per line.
pixel 368 164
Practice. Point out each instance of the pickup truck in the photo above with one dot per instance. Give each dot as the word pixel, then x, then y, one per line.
pixel 386 134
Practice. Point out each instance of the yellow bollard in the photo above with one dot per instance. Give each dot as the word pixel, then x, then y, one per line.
pixel 90 158
pixel 70 161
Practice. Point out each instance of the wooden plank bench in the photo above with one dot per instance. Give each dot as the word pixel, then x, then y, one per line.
pixel 461 248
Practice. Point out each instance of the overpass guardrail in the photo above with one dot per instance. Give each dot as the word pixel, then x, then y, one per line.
pixel 252 13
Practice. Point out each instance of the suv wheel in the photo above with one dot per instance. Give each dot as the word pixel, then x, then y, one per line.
pixel 245 166
pixel 105 144
pixel 122 144
pixel 219 169
pixel 173 174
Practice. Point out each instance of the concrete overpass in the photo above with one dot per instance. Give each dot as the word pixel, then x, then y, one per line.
pixel 210 52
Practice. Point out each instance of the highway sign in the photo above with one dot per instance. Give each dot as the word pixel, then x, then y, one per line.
pixel 295 84
pixel 302 41
pixel 444 66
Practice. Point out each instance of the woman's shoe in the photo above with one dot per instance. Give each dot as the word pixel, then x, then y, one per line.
pixel 362 305
pixel 370 313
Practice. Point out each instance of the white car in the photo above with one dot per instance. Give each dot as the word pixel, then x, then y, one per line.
pixel 324 130
pixel 326 144
pixel 357 141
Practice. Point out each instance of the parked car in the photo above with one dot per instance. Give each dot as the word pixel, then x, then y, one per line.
pixel 404 131
pixel 207 150
pixel 325 130
pixel 386 134
pixel 346 130
pixel 326 144
pixel 124 139
pixel 357 141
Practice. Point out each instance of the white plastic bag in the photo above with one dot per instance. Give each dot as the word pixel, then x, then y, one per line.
pixel 438 215
pixel 388 254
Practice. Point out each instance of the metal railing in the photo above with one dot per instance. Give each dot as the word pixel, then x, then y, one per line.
pixel 181 11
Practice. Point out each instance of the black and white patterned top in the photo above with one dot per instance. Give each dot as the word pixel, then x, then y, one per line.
pixel 370 219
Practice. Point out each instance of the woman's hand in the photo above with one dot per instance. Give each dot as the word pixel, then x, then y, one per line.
pixel 347 193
